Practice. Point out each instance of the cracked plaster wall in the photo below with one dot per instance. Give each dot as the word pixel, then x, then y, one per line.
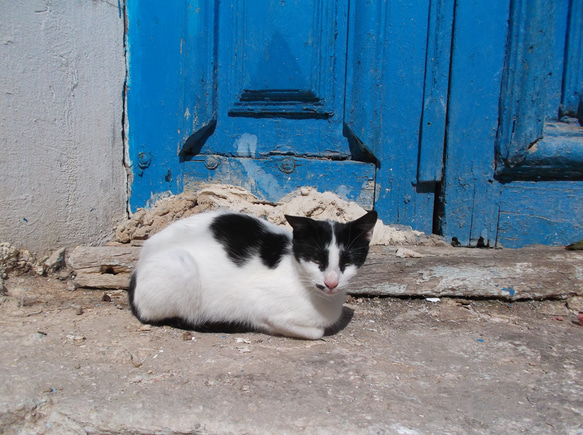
pixel 62 177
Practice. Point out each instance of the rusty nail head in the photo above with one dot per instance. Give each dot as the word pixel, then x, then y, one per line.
pixel 287 165
pixel 212 162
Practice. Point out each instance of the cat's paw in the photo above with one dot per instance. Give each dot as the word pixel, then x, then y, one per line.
pixel 297 331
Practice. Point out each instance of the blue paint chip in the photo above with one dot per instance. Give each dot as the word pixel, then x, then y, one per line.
pixel 25 219
pixel 509 290
pixel 480 340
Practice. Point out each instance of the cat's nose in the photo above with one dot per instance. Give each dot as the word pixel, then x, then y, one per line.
pixel 331 282
pixel 331 285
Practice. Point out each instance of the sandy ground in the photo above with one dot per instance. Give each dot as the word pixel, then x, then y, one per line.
pixel 74 361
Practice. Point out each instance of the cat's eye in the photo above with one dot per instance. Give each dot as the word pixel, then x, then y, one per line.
pixel 318 262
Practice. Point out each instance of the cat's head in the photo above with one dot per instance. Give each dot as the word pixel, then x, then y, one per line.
pixel 330 253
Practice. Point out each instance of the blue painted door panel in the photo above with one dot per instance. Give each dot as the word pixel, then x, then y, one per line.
pixel 385 101
pixel 221 91
pixel 280 77
pixel 540 213
pixel 436 89
pixel 461 118
pixel 275 177
pixel 470 196
pixel 514 152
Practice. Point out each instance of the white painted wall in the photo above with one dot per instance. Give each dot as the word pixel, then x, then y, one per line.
pixel 62 71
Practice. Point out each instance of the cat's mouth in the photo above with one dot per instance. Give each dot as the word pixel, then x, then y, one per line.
pixel 327 291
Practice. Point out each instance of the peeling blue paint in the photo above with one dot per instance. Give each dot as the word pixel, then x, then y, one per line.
pixel 265 178
pixel 509 290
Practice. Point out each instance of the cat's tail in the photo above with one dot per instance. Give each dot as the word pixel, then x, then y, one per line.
pixel 131 291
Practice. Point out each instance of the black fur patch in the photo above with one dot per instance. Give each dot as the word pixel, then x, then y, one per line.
pixel 353 237
pixel 131 290
pixel 311 240
pixel 245 237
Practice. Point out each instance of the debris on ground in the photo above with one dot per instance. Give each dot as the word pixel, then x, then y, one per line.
pixel 407 253
pixel 16 260
pixel 578 246
pixel 20 260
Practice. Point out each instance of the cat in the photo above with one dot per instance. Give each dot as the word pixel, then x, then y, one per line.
pixel 222 267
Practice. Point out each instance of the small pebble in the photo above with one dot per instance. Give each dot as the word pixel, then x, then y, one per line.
pixel 187 336
pixel 79 311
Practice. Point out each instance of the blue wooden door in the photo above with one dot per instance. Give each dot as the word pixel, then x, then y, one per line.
pixel 460 118
pixel 250 93
pixel 513 171
pixel 273 95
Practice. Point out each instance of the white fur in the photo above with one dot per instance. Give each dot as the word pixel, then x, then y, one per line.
pixel 184 272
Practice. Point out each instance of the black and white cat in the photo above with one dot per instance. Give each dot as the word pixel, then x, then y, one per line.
pixel 232 268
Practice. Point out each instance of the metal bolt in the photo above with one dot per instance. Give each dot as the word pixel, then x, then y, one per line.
pixel 144 160
pixel 287 165
pixel 212 162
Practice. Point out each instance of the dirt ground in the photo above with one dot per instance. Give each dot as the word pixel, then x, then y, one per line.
pixel 76 361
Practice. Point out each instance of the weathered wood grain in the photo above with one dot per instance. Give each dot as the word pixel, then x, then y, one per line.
pixel 545 213
pixel 121 259
pixel 105 267
pixel 103 281
pixel 528 273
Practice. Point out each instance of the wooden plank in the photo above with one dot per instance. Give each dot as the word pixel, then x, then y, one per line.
pixel 105 267
pixel 272 178
pixel 549 213
pixel 103 281
pixel 573 79
pixel 529 273
pixel 398 34
pixel 432 140
pixel 96 259
pixel 557 156
pixel 470 194
pixel 155 106
pixel 527 76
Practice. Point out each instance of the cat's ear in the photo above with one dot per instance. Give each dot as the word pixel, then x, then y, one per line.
pixel 299 223
pixel 365 224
